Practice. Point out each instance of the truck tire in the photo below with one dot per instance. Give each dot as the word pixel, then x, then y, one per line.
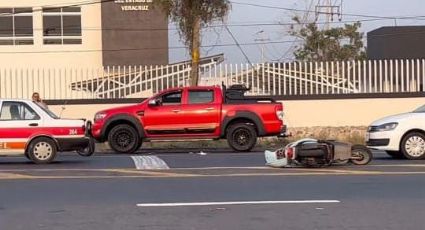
pixel 124 139
pixel 413 146
pixel 241 137
pixel 42 150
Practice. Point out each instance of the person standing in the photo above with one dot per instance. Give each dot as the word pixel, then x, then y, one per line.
pixel 36 98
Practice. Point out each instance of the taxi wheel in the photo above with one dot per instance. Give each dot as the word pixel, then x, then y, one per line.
pixel 42 150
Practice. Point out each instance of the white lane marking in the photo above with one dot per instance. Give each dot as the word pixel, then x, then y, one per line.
pixel 149 162
pixel 238 203
pixel 400 165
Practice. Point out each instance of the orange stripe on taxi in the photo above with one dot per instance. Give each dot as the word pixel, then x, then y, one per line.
pixel 12 145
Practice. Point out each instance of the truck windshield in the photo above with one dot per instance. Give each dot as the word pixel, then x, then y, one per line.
pixel 420 109
pixel 50 113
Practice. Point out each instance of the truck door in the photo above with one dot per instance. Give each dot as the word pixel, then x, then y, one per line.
pixel 165 118
pixel 201 112
pixel 17 123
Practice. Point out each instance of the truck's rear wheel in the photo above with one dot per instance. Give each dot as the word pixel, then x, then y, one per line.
pixel 42 150
pixel 124 139
pixel 241 137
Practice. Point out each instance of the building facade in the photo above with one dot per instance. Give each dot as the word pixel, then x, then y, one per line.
pixel 396 42
pixel 75 33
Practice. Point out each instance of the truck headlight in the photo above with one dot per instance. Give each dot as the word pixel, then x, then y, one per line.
pixel 385 127
pixel 99 116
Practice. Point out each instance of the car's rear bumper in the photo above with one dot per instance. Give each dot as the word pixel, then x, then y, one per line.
pixel 73 144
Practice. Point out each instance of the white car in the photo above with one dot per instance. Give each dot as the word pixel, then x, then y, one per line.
pixel 29 129
pixel 401 136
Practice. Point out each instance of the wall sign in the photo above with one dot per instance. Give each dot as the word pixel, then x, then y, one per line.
pixel 134 5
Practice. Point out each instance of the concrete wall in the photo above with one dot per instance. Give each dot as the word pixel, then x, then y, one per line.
pixel 304 113
pixel 346 112
pixel 38 55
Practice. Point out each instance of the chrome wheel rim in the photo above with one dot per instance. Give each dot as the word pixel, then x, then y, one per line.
pixel 43 150
pixel 415 146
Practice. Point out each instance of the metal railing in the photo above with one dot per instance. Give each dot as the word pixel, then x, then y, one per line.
pixel 275 79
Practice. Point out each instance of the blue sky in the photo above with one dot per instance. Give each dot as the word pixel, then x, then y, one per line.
pixel 282 50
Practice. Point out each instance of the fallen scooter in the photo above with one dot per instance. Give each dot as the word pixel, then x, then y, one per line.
pixel 318 153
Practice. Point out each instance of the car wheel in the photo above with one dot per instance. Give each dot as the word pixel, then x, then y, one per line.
pixel 360 155
pixel 396 154
pixel 413 146
pixel 242 137
pixel 124 139
pixel 42 150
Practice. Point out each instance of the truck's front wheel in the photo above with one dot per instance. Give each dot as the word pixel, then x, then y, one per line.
pixel 124 139
pixel 242 137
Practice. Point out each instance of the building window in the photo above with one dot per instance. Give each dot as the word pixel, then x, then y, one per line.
pixel 62 25
pixel 16 27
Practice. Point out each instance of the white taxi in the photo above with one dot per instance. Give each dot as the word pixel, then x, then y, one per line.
pixel 30 129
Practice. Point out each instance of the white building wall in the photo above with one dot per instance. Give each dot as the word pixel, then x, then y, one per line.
pixel 87 54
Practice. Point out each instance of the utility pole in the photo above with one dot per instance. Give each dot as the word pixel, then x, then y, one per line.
pixel 329 8
pixel 262 40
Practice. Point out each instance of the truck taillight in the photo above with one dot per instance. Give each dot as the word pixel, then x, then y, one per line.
pixel 280 114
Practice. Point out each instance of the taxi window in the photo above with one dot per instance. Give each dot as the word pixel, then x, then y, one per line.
pixel 17 111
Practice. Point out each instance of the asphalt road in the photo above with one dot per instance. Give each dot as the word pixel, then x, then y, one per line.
pixel 194 190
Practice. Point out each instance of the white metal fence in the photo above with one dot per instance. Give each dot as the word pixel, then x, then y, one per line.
pixel 295 78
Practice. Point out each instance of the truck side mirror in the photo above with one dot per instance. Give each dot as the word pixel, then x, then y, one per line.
pixel 153 102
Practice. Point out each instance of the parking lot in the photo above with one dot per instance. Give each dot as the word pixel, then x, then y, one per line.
pixel 213 189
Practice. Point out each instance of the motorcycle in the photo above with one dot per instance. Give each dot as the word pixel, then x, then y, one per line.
pixel 318 153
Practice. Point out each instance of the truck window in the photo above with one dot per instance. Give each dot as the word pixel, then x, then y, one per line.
pixel 17 111
pixel 173 98
pixel 201 96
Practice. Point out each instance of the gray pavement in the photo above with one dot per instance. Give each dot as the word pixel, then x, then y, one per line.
pixel 102 192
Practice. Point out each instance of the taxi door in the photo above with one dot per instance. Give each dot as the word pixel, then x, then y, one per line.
pixel 17 123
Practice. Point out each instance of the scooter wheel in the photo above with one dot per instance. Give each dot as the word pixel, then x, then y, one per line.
pixel 361 155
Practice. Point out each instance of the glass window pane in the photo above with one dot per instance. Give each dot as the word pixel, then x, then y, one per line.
pixel 71 9
pixel 23 26
pixel 72 41
pixel 5 11
pixel 52 41
pixel 201 97
pixel 27 113
pixel 52 26
pixel 24 42
pixel 173 98
pixel 17 111
pixel 6 42
pixel 6 26
pixel 72 25
pixel 51 10
pixel 22 10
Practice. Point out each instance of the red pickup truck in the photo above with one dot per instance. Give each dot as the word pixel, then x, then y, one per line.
pixel 191 113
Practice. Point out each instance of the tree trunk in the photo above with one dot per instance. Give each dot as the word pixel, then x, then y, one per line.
pixel 195 52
